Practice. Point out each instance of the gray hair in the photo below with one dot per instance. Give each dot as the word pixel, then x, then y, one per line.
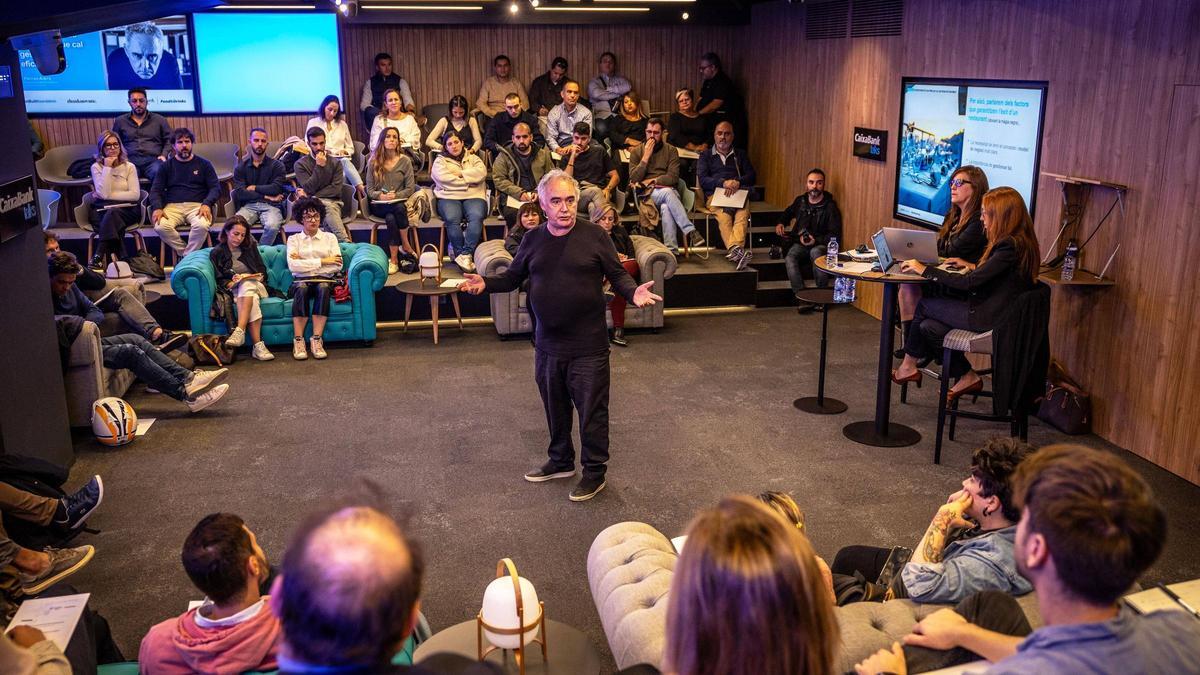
pixel 555 175
pixel 144 28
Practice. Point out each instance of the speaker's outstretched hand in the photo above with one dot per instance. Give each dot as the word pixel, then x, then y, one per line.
pixel 472 283
pixel 643 296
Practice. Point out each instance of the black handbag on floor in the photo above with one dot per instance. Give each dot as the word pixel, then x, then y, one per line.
pixel 1066 406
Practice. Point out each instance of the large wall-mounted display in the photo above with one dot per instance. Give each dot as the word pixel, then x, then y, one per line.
pixel 944 124
pixel 103 65
pixel 267 62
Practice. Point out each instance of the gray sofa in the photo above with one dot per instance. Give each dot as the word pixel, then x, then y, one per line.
pixel 511 316
pixel 630 566
pixel 87 379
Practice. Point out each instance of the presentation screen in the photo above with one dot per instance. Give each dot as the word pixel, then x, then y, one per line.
pixel 944 124
pixel 267 62
pixel 102 66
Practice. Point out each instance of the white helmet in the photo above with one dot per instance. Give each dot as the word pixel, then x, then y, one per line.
pixel 113 421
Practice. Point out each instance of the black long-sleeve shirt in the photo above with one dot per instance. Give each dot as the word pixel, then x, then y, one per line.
pixel 565 286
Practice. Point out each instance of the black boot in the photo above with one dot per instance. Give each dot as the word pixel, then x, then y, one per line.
pixel 618 338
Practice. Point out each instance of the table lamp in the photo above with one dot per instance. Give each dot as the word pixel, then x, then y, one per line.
pixel 430 263
pixel 511 616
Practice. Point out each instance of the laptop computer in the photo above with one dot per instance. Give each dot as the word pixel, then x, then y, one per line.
pixel 887 263
pixel 895 245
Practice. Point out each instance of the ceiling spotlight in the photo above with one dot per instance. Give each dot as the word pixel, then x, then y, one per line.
pixel 513 8
pixel 533 2
pixel 685 16
pixel 345 9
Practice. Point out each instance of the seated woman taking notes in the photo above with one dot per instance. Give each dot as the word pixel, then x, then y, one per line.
pixel 1007 268
pixel 314 259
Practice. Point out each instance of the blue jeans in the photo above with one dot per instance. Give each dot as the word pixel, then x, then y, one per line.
pixel 147 165
pixel 350 172
pixel 452 212
pixel 673 215
pixel 793 259
pixel 153 367
pixel 266 214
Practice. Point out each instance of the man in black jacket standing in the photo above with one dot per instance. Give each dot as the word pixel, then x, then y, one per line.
pixel 817 220
pixel 564 262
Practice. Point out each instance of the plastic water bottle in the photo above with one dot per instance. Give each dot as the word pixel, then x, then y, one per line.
pixel 1069 262
pixel 831 253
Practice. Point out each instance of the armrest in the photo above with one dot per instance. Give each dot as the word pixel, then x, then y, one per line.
pixel 197 269
pixel 650 251
pixel 366 261
pixel 491 258
pixel 85 350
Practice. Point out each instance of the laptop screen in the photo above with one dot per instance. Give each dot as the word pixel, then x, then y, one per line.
pixel 881 248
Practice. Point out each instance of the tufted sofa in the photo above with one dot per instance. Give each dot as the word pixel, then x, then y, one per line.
pixel 511 316
pixel 87 379
pixel 630 566
pixel 194 280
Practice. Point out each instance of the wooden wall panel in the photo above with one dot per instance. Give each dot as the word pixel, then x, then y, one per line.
pixel 1114 112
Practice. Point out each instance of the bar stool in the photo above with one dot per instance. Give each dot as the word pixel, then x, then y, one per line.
pixel 819 404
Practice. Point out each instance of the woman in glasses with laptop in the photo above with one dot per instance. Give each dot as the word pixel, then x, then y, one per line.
pixel 975 300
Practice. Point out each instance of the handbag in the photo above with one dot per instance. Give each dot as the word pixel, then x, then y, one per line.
pixel 1066 406
pixel 341 290
pixel 210 350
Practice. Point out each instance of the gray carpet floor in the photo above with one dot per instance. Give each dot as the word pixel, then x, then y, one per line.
pixel 702 409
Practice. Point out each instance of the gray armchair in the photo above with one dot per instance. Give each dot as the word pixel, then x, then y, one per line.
pixel 511 316
pixel 87 379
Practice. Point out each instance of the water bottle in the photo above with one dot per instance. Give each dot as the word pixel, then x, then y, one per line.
pixel 1069 261
pixel 831 253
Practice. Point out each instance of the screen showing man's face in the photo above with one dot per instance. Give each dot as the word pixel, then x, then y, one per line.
pixel 145 54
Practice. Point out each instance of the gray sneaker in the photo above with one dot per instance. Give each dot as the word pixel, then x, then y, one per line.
pixel 694 239
pixel 743 261
pixel 63 563
pixel 203 380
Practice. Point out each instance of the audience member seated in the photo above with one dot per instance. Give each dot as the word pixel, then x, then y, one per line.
pixel 390 182
pixel 516 171
pixel 728 169
pixel 592 167
pixel 1007 268
pixel 131 314
pixel 498 86
pixel 529 217
pixel 626 131
pixel 1089 528
pixel 197 389
pixel 338 143
pixel 545 91
pixel 347 597
pixel 605 92
pixel 961 239
pixel 967 548
pixel 500 128
pixel 241 282
pixel 460 185
pixel 654 169
pixel 114 183
pixel 259 187
pixel 234 630
pixel 720 100
pixel 315 261
pixel 25 650
pixel 747 597
pixel 385 78
pixel 458 120
pixel 320 176
pixel 604 214
pixel 184 191
pixel 561 121
pixel 39 570
pixel 403 121
pixel 817 219
pixel 146 135
pixel 786 507
pixel 688 130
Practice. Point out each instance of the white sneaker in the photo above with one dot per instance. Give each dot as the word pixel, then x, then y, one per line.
pixel 393 267
pixel 207 398
pixel 205 379
pixel 237 338
pixel 318 347
pixel 261 353
pixel 298 351
pixel 463 261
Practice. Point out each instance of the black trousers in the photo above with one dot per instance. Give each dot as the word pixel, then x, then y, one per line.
pixel 320 293
pixel 395 218
pixel 993 610
pixel 111 225
pixel 933 318
pixel 580 383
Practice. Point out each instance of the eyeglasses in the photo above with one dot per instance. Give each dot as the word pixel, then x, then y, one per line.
pixel 112 145
pixel 959 182
pixel 310 215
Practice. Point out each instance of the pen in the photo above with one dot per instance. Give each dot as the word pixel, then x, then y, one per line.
pixel 1179 601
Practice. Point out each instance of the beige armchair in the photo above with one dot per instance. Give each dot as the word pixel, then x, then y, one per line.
pixel 87 379
pixel 511 316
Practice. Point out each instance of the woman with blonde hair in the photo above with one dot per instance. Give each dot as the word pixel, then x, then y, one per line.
pixel 1007 268
pixel 747 598
pixel 961 238
pixel 114 181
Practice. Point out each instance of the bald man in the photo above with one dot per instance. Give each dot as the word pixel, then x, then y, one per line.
pixel 348 596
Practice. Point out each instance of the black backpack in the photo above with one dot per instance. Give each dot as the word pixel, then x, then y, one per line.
pixel 41 478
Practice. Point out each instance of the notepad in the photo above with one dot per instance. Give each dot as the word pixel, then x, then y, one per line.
pixel 119 205
pixel 1153 599
pixel 451 283
pixel 56 617
pixel 624 155
pixel 684 153
pixel 513 203
pixel 734 201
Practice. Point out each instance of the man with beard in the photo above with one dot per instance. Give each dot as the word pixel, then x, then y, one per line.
pixel 592 167
pixel 564 263
pixel 517 169
pixel 817 219
pixel 500 128
pixel 561 121
pixel 184 192
pixel 146 135
pixel 654 166
pixel 258 188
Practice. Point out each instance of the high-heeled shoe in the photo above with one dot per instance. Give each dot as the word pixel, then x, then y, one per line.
pixel 953 396
pixel 915 377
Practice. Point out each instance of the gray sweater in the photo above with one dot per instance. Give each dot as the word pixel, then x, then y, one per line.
pixel 399 180
pixel 322 182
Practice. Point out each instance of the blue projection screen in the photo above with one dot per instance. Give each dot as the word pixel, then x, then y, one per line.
pixel 267 62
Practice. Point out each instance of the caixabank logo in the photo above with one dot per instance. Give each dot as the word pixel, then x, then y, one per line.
pixel 870 144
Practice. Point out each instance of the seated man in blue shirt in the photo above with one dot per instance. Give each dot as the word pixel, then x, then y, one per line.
pixel 968 546
pixel 1089 528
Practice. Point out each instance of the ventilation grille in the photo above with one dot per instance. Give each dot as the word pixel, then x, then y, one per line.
pixel 876 18
pixel 827 20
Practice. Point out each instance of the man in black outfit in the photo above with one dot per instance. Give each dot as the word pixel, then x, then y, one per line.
pixel 500 128
pixel 805 229
pixel 564 262
pixel 720 100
